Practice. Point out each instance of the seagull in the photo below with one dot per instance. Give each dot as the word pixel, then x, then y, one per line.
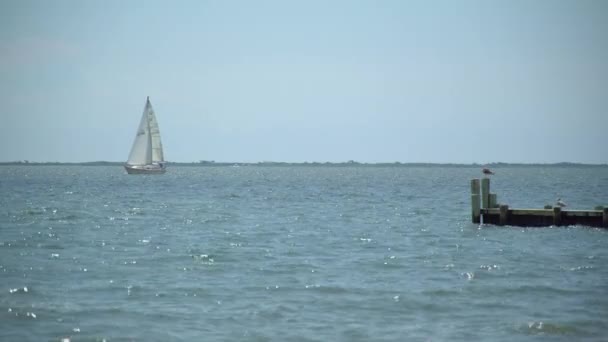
pixel 487 171
pixel 560 203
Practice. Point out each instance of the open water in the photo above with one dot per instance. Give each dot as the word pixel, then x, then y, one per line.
pixel 311 253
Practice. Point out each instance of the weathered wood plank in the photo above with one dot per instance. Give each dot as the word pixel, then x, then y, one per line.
pixel 580 213
pixel 533 212
pixel 544 212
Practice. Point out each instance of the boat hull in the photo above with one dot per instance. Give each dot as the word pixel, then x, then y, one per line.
pixel 154 169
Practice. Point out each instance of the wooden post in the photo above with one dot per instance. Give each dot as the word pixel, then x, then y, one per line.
pixel 475 214
pixel 475 211
pixel 492 201
pixel 485 191
pixel 605 218
pixel 504 215
pixel 557 216
pixel 475 186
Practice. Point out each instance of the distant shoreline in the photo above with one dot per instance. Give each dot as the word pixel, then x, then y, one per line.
pixel 329 164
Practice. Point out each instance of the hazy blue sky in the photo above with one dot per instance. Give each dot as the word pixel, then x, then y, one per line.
pixel 409 81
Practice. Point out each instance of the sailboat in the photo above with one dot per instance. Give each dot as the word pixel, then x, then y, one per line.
pixel 146 155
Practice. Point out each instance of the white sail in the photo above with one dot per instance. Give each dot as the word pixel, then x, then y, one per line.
pixel 141 152
pixel 147 150
pixel 157 145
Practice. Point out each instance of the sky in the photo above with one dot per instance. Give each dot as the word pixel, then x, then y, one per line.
pixel 306 80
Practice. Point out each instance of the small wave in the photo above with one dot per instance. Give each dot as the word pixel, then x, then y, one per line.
pixel 69 217
pixel 113 218
pixel 540 327
pixel 50 246
pixel 19 290
pixel 544 289
pixel 229 196
pixel 489 267
pixel 19 314
pixel 325 289
pixel 442 292
pixel 135 211
pixel 393 265
pixel 203 258
pixel 581 268
pixel 37 211
pixel 468 275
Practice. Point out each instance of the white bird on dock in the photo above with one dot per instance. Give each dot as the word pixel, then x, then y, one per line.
pixel 487 171
pixel 560 203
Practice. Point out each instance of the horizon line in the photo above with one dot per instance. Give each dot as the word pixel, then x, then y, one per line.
pixel 349 162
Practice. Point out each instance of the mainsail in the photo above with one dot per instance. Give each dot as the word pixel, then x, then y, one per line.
pixel 157 145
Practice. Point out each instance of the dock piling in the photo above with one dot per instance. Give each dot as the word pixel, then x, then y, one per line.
pixel 492 201
pixel 504 215
pixel 485 192
pixel 557 216
pixel 475 208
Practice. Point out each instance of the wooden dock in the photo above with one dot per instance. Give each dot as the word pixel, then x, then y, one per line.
pixel 485 209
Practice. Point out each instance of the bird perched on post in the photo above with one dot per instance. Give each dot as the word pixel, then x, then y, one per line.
pixel 487 171
pixel 560 203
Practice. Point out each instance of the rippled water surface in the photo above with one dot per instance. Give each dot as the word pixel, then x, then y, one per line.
pixel 295 254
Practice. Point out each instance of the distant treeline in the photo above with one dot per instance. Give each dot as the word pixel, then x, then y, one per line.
pixel 270 163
